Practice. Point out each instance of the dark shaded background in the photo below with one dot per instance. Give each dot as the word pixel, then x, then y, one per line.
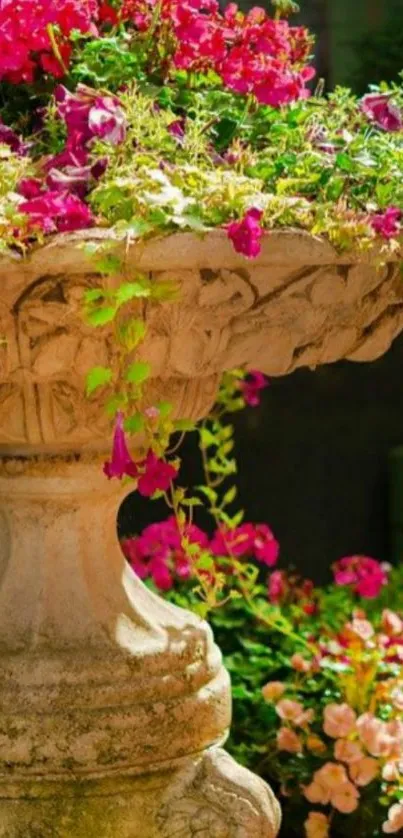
pixel 313 460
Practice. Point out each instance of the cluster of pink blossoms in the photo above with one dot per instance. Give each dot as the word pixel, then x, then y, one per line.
pixel 159 551
pixel 55 203
pixel 357 746
pixel 364 575
pixel 152 474
pixel 30 30
pixel 252 53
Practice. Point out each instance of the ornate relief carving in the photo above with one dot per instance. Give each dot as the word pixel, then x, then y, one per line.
pixel 215 797
pixel 278 313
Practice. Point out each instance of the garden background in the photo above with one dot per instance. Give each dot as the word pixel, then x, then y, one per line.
pixel 314 460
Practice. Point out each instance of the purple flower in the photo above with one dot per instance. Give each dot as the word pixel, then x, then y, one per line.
pixel 121 462
pixel 177 129
pixel 379 109
pixel 10 138
pixel 387 224
pixel 107 120
pixel 252 386
pixel 247 233
pixel 88 115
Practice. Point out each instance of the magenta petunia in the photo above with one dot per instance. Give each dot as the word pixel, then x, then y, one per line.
pixel 157 475
pixel 54 211
pixel 246 234
pixel 381 110
pixel 121 463
pixel 387 224
pixel 364 575
pixel 252 386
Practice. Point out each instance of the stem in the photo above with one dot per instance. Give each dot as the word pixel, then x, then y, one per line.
pixel 55 47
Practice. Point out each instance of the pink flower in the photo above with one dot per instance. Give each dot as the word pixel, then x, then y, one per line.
pixel 156 477
pixel 288 740
pixel 395 819
pixel 379 109
pixel 277 587
pixel 246 234
pixel 299 663
pixel 54 211
pixel 365 575
pixel 387 224
pixel 121 463
pixel 339 721
pixel 273 691
pixel 364 770
pixel 345 798
pixel 317 825
pixel 246 540
pixel 252 387
pixel 346 751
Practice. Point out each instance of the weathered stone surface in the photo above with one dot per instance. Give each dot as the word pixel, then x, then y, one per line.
pixel 299 304
pixel 114 703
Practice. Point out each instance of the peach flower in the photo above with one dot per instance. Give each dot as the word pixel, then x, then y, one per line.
pixel 362 628
pixel 348 752
pixel 376 735
pixel 299 663
pixel 315 744
pixel 331 774
pixel 345 798
pixel 290 711
pixel 391 622
pixel 317 793
pixel 273 690
pixel 364 771
pixel 317 825
pixel 339 720
pixel 395 819
pixel 287 740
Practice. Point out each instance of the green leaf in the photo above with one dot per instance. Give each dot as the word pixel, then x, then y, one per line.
pixel 344 162
pixel 101 316
pixel 134 424
pixel 97 377
pixel 131 290
pixel 192 502
pixel 229 496
pixel 94 294
pixel 335 188
pixel 209 493
pixel 205 562
pixel 109 264
pixel 132 333
pixel 207 439
pixel 114 404
pixel 138 372
pixel 184 425
pixel 165 408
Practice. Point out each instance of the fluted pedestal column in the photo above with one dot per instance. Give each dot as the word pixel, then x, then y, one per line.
pixel 113 704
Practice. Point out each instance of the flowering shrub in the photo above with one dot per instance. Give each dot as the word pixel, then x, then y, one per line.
pixel 156 116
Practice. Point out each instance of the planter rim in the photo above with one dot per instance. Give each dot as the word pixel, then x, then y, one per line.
pixel 187 250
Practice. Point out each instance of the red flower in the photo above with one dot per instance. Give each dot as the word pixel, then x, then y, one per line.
pixel 156 477
pixel 364 575
pixel 247 233
pixel 121 463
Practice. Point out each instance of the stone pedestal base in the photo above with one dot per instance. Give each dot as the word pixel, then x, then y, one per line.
pixel 112 702
pixel 207 796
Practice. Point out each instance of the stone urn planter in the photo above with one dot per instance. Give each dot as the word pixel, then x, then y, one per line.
pixel 113 704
